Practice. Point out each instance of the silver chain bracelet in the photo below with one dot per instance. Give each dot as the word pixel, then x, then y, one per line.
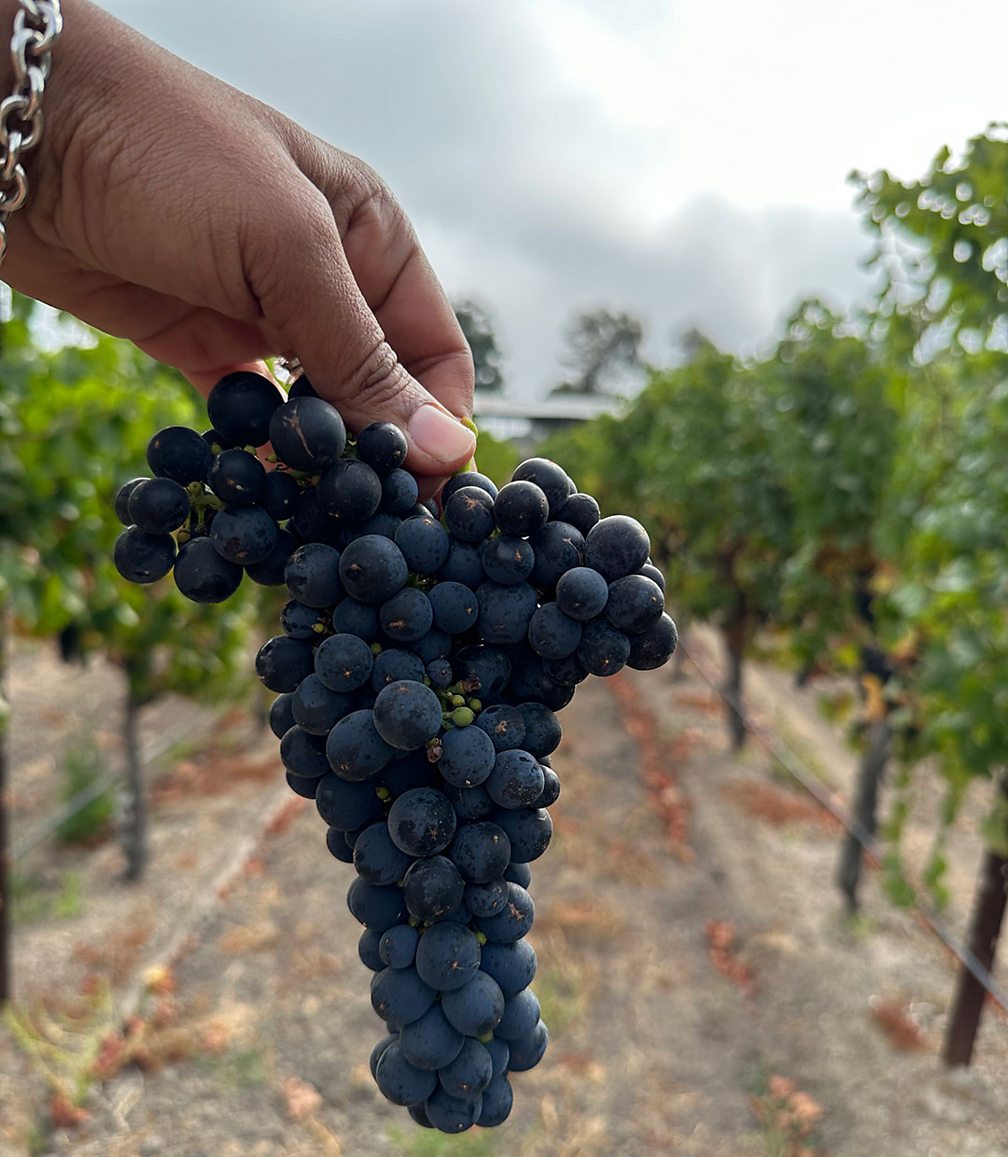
pixel 37 26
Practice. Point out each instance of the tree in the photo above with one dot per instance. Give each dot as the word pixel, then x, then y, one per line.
pixel 942 247
pixel 951 597
pixel 76 422
pixel 693 460
pixel 604 352
pixel 479 333
pixel 837 406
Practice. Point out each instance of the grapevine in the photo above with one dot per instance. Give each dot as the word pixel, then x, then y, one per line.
pixel 422 659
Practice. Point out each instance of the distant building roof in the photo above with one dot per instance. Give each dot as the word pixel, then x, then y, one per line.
pixel 561 408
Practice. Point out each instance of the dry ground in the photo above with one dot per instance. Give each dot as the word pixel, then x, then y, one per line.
pixel 705 993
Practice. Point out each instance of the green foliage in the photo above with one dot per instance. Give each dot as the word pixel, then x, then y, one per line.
pixel 943 247
pixel 496 457
pixel 34 899
pixel 75 425
pixel 837 419
pixel 952 595
pixel 693 459
pixel 83 771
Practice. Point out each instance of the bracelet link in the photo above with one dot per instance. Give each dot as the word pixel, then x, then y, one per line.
pixel 37 25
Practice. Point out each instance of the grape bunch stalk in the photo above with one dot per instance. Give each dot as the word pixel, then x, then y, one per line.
pixel 421 662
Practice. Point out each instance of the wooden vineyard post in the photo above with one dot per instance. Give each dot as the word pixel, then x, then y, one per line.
pixel 985 926
pixel 5 859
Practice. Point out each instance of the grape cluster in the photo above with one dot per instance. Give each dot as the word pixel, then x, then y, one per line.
pixel 423 657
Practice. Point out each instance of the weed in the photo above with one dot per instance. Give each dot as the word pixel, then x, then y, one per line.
pixel 34 900
pixel 93 801
pixel 240 1069
pixel 428 1143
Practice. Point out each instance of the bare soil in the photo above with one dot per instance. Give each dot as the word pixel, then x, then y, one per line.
pixel 705 992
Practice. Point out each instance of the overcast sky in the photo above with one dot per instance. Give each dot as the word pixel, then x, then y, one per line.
pixel 685 161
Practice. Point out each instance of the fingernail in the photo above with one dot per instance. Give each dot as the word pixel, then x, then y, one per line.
pixel 438 434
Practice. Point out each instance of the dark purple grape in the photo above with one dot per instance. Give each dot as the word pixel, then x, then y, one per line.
pixel 448 955
pixel 528 829
pixel 451 1114
pixel 424 544
pixel 467 756
pixel 158 505
pixel 383 446
pixel 653 647
pixel 281 714
pixel 243 534
pixel 468 478
pixel 504 725
pixel 497 1099
pixel 270 571
pixel 552 634
pixel 121 501
pixel 617 546
pixel 505 611
pixel 201 574
pixel 582 593
pixel 463 564
pixel 393 664
pixel 469 514
pixel 307 433
pixel 551 479
pixel 355 749
pixel 376 857
pixel 407 616
pixel 635 604
pixel 480 851
pixel 241 404
pixel 399 995
pixel 180 454
pixel 507 559
pixel 282 662
pixel 580 510
pixel 144 558
pixel 349 491
pixel 515 782
pixel 237 477
pixel 521 508
pixel 469 1073
pixel 558 547
pixel 343 662
pixel 398 945
pixel 372 569
pixel 303 753
pixel 432 887
pixel 422 821
pixel 301 387
pixel 399 493
pixel 527 1052
pixel 407 714
pixel 346 806
pixel 280 495
pixel 603 649
pixel 454 606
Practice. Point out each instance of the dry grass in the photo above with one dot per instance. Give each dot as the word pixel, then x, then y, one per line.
pixel 895 1021
pixel 776 806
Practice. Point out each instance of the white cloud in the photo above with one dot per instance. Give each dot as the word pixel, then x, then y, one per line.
pixel 684 161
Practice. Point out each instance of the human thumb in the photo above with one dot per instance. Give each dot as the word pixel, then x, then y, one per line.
pixel 312 299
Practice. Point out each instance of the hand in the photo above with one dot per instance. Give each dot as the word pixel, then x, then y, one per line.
pixel 171 209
